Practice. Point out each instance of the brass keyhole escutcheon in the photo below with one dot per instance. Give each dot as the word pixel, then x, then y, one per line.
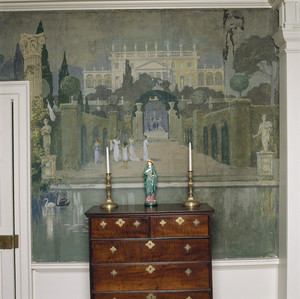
pixel 103 224
pixel 187 247
pixel 120 222
pixel 162 223
pixel 179 220
pixel 150 244
pixel 150 269
pixel 188 272
pixel 113 250
pixel 113 273
pixel 136 224
pixel 196 222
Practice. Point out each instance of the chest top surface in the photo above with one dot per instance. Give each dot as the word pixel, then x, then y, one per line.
pixel 141 210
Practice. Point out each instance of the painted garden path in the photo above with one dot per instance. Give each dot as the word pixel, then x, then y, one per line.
pixel 170 161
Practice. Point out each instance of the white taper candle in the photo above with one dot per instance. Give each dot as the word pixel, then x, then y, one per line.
pixel 190 157
pixel 107 161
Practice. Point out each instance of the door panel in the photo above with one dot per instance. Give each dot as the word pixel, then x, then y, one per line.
pixel 6 198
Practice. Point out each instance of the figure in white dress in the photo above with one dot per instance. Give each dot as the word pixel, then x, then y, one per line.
pixel 132 155
pixel 125 154
pixel 115 144
pixel 264 130
pixel 145 146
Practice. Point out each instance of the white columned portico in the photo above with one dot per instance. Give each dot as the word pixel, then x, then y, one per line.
pixel 288 40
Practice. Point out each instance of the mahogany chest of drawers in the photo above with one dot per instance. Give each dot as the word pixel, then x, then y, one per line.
pixel 150 253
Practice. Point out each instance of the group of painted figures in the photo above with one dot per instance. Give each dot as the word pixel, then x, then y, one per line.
pixel 125 152
pixel 128 153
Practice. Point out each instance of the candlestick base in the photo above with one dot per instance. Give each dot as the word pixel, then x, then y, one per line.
pixel 109 204
pixel 191 202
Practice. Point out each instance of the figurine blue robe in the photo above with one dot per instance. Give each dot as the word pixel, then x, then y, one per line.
pixel 150 180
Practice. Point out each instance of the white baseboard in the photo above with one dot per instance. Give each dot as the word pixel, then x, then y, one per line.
pixel 232 279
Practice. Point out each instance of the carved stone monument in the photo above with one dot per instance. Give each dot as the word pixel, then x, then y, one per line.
pixel 266 165
pixel 173 122
pixel 138 123
pixel 48 161
pixel 265 158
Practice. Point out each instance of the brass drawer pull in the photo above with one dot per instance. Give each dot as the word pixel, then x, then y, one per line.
pixel 196 222
pixel 162 223
pixel 136 224
pixel 151 296
pixel 113 250
pixel 189 297
pixel 113 273
pixel 103 224
pixel 150 269
pixel 188 272
pixel 187 247
pixel 150 244
pixel 120 222
pixel 179 220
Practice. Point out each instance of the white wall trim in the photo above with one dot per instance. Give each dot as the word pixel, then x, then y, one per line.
pixel 137 4
pixel 217 263
pixel 230 279
pixel 245 263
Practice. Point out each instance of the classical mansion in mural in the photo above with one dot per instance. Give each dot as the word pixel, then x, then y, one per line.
pixel 178 67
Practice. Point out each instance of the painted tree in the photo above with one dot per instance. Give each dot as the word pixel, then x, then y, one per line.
pixel 128 107
pixel 258 55
pixel 18 64
pixel 80 101
pixel 198 97
pixel 63 72
pixel 86 106
pixel 127 77
pixel 70 86
pixel 239 83
pixel 182 106
pixel 46 72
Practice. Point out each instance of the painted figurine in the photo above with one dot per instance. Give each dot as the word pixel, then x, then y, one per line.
pixel 125 154
pixel 145 148
pixel 150 180
pixel 46 131
pixel 97 151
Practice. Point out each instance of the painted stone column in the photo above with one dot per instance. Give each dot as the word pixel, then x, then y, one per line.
pixel 33 45
pixel 287 38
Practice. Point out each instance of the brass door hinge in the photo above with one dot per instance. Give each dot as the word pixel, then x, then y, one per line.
pixel 9 242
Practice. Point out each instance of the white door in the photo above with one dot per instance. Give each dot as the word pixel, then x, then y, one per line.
pixel 15 278
pixel 7 251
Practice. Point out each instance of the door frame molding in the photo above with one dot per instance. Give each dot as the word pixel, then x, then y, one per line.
pixel 19 93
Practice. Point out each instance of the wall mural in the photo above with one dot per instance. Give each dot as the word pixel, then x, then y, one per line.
pixel 145 84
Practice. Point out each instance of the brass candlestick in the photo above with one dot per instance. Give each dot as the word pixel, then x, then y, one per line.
pixel 191 202
pixel 109 204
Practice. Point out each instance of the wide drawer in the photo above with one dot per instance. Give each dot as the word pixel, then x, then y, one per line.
pixel 155 295
pixel 179 226
pixel 185 276
pixel 119 228
pixel 130 251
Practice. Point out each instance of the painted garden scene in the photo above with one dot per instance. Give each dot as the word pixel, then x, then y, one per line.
pixel 145 84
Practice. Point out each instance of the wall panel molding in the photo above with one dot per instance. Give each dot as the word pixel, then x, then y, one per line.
pixel 137 4
pixel 230 277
